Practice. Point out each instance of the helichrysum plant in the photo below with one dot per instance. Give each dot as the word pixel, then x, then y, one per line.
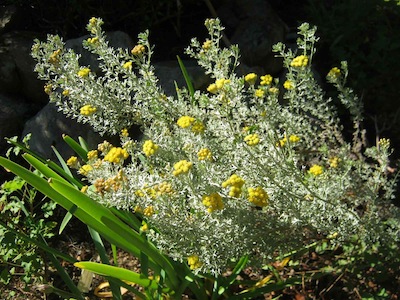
pixel 250 166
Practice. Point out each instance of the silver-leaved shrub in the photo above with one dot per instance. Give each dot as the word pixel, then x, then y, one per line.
pixel 251 166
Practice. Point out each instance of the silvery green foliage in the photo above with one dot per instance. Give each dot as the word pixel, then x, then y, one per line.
pixel 350 196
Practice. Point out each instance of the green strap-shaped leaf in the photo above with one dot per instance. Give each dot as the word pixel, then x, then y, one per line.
pixel 123 235
pixel 76 147
pixel 119 273
pixel 187 77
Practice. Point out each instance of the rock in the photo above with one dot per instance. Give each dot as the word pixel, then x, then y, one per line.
pixel 256 28
pixel 13 113
pixel 169 72
pixel 47 128
pixel 16 67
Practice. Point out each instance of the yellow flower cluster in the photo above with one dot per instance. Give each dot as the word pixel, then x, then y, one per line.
pixel 114 183
pixel 116 155
pixel 84 72
pixel 266 79
pixel 163 188
pixel 149 148
pixel 206 45
pixel 85 169
pixel 87 110
pixel 48 88
pixel 334 161
pixel 73 162
pixel 251 78
pixel 181 167
pixel 288 85
pixel 55 57
pixel 259 93
pixel 124 132
pixel 258 196
pixel 316 170
pixel 185 121
pixel 138 50
pixel 92 154
pixel 194 262
pixel 93 40
pixel 204 154
pixel 292 139
pixel 218 85
pixel 235 183
pixel 213 202
pixel 299 61
pixel 252 139
pixel 334 73
pixel 149 211
pixel 127 65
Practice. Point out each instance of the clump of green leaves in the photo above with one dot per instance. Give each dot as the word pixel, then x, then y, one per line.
pixel 246 168
pixel 22 213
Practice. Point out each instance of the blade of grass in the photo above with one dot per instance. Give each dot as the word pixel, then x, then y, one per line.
pixel 187 77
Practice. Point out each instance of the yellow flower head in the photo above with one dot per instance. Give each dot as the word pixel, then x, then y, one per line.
pixel 127 65
pixel 334 162
pixel 149 211
pixel 212 88
pixel 85 169
pixel 124 132
pixel 316 170
pixel 116 155
pixel 259 93
pixel 252 139
pixel 288 85
pixel 334 74
pixel 221 82
pixel 182 167
pixel 48 88
pixel 84 72
pixel 213 202
pixel 235 183
pixel 194 262
pixel 274 90
pixel 84 189
pixel 204 154
pixel 87 110
pixel 73 162
pixel 55 57
pixel 299 61
pixel 206 45
pixel 266 79
pixel 65 93
pixel 138 50
pixel 93 21
pixel 294 138
pixel 185 121
pixel 92 154
pixel 251 78
pixel 258 196
pixel 93 40
pixel 149 148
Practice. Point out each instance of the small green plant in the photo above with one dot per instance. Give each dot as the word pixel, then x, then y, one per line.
pixel 233 176
pixel 23 212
